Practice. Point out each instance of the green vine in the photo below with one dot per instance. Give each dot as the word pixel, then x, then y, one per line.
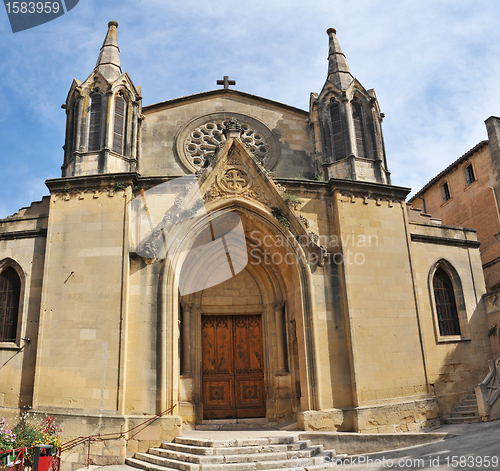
pixel 291 200
pixel 319 176
pixel 281 217
pixel 119 186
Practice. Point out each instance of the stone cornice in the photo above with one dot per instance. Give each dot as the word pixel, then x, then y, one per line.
pixel 430 239
pixel 30 234
pixel 230 93
pixel 91 181
pixel 368 189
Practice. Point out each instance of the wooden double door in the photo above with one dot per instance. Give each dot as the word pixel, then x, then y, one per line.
pixel 232 367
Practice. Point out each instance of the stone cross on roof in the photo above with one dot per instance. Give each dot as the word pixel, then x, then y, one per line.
pixel 226 82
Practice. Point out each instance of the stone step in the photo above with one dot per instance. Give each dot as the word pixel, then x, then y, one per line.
pixel 145 465
pixel 203 442
pixel 233 458
pixel 462 420
pixel 467 410
pixel 238 457
pixel 235 450
pixel 187 457
pixel 314 461
pixel 469 403
pixel 167 462
pixel 468 415
pixel 323 459
pixel 270 453
pixel 235 424
pixel 229 427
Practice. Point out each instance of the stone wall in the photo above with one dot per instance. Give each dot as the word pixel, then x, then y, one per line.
pixel 22 247
pixel 165 121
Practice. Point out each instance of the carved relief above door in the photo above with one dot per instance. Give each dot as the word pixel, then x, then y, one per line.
pixel 232 367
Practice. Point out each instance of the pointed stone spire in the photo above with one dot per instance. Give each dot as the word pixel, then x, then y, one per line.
pixel 109 58
pixel 338 69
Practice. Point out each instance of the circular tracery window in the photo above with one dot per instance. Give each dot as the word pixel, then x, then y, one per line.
pixel 200 139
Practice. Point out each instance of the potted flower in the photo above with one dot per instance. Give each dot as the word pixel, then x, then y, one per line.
pixel 7 442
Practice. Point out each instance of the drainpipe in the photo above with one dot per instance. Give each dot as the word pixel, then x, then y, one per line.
pixel 423 201
pixel 496 201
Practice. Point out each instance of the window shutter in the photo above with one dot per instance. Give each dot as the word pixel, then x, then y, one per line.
pixel 10 290
pixel 119 126
pixel 74 127
pixel 445 192
pixel 336 129
pixel 359 129
pixel 469 175
pixel 95 122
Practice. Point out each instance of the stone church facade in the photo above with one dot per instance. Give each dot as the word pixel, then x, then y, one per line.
pixel 233 257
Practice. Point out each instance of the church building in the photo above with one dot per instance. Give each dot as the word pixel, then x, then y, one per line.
pixel 227 257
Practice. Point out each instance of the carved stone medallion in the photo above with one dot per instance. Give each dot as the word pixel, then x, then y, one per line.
pixel 234 180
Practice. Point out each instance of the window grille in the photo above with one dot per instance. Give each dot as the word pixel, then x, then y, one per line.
pixel 359 129
pixel 94 142
pixel 119 125
pixel 337 131
pixel 10 291
pixel 445 192
pixel 446 306
pixel 469 174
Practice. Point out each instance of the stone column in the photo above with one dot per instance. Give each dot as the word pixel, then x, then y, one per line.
pixel 187 309
pixel 132 125
pixel 350 136
pixel 281 343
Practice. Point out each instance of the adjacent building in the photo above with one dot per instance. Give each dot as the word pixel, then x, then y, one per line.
pixel 465 194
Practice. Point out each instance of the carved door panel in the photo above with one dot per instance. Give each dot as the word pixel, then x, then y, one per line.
pixel 217 368
pixel 249 366
pixel 232 367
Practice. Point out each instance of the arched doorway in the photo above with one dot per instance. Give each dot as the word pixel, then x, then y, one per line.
pixel 242 340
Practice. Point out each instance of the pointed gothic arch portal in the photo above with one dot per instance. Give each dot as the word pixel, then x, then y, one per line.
pixel 241 348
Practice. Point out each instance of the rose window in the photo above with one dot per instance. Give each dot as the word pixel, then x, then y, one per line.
pixel 203 142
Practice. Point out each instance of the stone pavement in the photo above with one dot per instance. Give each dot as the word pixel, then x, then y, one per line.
pixel 471 443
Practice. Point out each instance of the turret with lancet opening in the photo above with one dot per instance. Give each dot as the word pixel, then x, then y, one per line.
pixel 347 124
pixel 103 117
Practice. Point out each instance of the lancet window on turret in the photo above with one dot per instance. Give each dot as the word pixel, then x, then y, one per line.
pixel 74 128
pixel 94 139
pixel 336 131
pixel 119 123
pixel 359 129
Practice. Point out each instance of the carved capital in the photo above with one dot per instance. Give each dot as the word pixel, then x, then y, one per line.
pixel 187 307
pixel 278 306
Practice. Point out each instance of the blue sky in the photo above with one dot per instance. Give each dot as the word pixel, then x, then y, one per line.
pixel 434 64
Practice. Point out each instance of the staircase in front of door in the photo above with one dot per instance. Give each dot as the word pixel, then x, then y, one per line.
pixel 191 454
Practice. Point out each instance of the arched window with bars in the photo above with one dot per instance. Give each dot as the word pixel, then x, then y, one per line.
pixel 446 304
pixel 337 131
pixel 119 124
pixel 10 293
pixel 359 129
pixel 94 139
